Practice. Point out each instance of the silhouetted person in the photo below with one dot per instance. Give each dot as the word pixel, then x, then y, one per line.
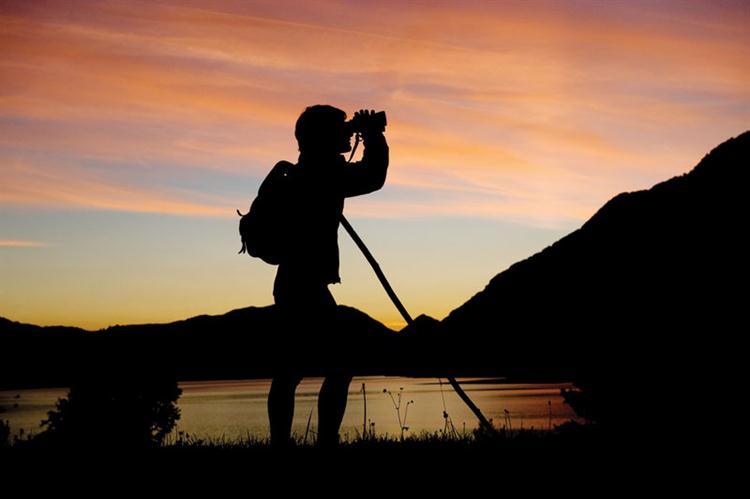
pixel 319 182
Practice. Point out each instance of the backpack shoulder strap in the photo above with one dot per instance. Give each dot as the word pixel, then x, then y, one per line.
pixel 283 165
pixel 280 170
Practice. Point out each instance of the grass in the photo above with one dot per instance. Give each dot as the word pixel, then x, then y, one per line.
pixel 357 454
pixel 437 442
pixel 569 437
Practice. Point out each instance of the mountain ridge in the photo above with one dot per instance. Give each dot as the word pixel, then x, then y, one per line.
pixel 647 294
pixel 705 171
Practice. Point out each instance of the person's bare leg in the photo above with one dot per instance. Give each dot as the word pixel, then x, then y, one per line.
pixel 281 408
pixel 331 407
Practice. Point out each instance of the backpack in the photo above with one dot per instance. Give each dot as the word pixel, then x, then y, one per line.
pixel 264 227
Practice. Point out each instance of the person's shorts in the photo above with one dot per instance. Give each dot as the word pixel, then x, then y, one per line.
pixel 309 332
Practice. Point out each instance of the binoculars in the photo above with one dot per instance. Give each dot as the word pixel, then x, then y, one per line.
pixel 362 122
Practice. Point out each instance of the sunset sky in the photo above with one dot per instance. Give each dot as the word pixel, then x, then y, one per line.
pixel 131 131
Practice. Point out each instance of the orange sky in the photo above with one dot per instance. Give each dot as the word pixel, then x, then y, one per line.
pixel 510 121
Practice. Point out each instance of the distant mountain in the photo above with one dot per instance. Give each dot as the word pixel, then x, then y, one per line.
pixel 646 301
pixel 244 343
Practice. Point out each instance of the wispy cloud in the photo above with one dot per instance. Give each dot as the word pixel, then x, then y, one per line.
pixel 59 184
pixel 551 107
pixel 18 243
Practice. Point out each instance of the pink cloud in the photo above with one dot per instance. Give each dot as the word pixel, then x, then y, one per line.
pixel 19 243
pixel 540 106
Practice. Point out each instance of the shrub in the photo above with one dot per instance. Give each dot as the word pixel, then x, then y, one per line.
pixel 114 412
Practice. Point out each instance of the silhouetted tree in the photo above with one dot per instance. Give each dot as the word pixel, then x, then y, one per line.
pixel 587 401
pixel 114 412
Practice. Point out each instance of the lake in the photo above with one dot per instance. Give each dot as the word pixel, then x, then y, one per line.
pixel 233 409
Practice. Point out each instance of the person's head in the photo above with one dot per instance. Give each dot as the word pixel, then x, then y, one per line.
pixel 321 129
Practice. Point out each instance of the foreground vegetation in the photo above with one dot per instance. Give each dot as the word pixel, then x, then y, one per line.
pixel 503 445
pixel 524 440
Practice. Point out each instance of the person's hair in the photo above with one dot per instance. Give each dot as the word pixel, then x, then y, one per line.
pixel 315 124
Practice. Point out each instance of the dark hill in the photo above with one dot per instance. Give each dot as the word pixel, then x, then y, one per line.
pixel 243 343
pixel 645 302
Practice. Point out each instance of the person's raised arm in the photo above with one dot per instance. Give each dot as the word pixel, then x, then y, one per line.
pixel 367 175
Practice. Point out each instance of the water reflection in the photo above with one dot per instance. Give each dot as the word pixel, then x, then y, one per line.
pixel 237 408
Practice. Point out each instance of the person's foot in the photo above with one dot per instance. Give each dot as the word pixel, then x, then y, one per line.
pixel 281 443
pixel 328 442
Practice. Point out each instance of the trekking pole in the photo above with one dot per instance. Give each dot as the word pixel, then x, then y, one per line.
pixel 482 420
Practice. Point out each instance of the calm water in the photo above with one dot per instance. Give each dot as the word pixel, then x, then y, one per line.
pixel 237 408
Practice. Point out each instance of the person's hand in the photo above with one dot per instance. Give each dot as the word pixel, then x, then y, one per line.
pixel 364 112
pixel 365 120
